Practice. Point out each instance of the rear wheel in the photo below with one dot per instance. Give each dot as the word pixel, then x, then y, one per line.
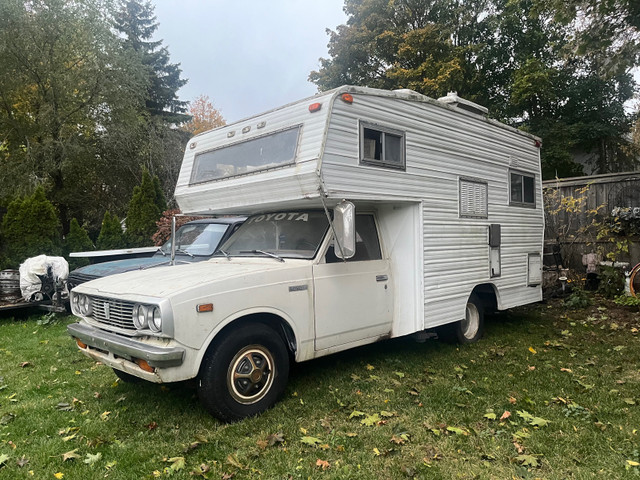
pixel 244 373
pixel 468 330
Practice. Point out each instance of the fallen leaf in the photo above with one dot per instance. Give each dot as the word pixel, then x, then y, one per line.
pixel 233 461
pixel 528 461
pixel 370 420
pixel 177 464
pixel 22 462
pixel 152 426
pixel 59 475
pixel 311 441
pixel 512 400
pixel 71 455
pixel 505 415
pixel 3 458
pixel 25 364
pixel 322 463
pixel 370 367
pixel 532 350
pixel 90 459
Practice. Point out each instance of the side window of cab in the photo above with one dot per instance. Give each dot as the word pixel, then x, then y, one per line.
pixel 367 242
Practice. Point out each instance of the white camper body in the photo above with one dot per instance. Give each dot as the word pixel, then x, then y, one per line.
pixel 448 222
pixel 434 214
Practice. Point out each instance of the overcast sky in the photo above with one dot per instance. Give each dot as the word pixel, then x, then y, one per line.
pixel 248 56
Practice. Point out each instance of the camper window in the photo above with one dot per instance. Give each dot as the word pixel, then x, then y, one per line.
pixel 522 188
pixel 381 146
pixel 268 151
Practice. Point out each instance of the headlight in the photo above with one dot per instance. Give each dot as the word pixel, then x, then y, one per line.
pixel 83 304
pixel 75 301
pixel 140 316
pixel 155 324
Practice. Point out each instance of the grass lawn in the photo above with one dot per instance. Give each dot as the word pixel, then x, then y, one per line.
pixel 548 393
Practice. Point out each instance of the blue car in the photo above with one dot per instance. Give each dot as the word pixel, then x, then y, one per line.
pixel 195 241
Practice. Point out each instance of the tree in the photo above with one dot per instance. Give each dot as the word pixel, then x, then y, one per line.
pixel 77 240
pixel 508 55
pixel 61 87
pixel 204 116
pixel 30 228
pixel 145 209
pixel 111 235
pixel 135 19
pixel 159 144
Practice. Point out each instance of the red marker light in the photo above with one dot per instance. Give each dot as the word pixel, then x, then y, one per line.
pixel 315 107
pixel 347 98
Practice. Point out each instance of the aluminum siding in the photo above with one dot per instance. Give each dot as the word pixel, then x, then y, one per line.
pixel 443 144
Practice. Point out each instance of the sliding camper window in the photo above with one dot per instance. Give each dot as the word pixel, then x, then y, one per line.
pixel 268 151
pixel 522 189
pixel 381 146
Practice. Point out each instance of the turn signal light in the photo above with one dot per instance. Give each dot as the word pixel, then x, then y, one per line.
pixel 314 107
pixel 81 344
pixel 144 365
pixel 204 307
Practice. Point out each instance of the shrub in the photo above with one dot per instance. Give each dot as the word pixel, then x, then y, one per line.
pixel 611 282
pixel 30 228
pixel 77 240
pixel 111 235
pixel 145 208
pixel 578 299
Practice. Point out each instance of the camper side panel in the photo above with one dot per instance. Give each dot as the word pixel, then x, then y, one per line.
pixel 444 149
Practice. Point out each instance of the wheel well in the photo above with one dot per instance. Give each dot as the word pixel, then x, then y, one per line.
pixel 270 320
pixel 487 294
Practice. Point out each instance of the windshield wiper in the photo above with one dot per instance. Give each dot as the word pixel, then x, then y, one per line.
pixel 227 256
pixel 268 254
pixel 185 252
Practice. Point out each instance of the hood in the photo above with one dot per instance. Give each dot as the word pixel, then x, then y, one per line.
pixel 171 280
pixel 119 266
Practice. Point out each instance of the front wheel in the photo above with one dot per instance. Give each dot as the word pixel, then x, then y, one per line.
pixel 468 330
pixel 244 373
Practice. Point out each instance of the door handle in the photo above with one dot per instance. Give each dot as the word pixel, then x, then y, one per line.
pixel 382 278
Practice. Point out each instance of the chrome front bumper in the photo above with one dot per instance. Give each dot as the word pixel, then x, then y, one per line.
pixel 156 356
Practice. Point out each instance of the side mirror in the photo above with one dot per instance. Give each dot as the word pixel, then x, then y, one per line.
pixel 344 226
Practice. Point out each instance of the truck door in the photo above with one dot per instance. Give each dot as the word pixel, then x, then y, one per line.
pixel 353 300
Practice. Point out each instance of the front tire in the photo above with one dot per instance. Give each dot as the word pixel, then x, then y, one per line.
pixel 244 373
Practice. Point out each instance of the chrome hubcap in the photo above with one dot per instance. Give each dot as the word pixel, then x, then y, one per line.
pixel 250 374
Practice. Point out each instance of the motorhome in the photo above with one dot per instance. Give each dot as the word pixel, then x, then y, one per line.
pixel 372 214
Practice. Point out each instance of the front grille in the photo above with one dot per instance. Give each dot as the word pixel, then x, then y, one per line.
pixel 76 279
pixel 114 313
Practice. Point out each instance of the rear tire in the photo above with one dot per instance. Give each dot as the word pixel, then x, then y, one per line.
pixel 468 330
pixel 244 373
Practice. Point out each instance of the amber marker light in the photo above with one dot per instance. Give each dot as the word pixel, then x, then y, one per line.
pixel 81 344
pixel 144 365
pixel 315 107
pixel 347 98
pixel 204 307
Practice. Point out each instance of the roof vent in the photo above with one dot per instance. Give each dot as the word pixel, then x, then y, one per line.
pixel 454 100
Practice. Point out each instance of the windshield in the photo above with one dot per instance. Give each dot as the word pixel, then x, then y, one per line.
pixel 198 239
pixel 285 234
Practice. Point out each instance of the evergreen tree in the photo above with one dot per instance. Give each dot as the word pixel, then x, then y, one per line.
pixel 111 235
pixel 30 228
pixel 77 240
pixel 136 20
pixel 145 209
